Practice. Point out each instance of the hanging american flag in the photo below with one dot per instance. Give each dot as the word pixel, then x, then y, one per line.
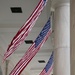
pixel 25 29
pixel 48 68
pixel 33 49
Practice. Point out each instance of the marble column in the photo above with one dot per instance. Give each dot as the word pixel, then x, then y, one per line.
pixel 62 39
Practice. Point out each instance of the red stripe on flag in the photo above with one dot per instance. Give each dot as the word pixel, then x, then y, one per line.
pixel 24 30
pixel 43 72
pixel 47 73
pixel 31 52
pixel 50 70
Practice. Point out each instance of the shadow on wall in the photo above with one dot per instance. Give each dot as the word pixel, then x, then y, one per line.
pixel 1 71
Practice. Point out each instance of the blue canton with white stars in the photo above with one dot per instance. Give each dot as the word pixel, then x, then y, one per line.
pixel 49 63
pixel 42 33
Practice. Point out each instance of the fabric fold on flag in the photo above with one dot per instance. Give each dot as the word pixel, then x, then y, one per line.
pixel 49 66
pixel 25 29
pixel 33 49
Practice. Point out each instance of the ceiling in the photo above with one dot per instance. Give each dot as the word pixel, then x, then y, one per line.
pixel 10 24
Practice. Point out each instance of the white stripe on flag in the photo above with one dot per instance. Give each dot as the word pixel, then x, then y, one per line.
pixel 24 30
pixel 27 57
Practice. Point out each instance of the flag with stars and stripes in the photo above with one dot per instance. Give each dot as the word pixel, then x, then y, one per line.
pixel 25 29
pixel 33 49
pixel 48 68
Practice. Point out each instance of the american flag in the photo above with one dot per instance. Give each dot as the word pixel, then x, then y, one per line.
pixel 25 29
pixel 33 49
pixel 48 68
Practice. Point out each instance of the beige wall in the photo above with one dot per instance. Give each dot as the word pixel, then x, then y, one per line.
pixel 72 34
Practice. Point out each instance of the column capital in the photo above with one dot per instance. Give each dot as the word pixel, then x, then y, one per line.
pixel 58 3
